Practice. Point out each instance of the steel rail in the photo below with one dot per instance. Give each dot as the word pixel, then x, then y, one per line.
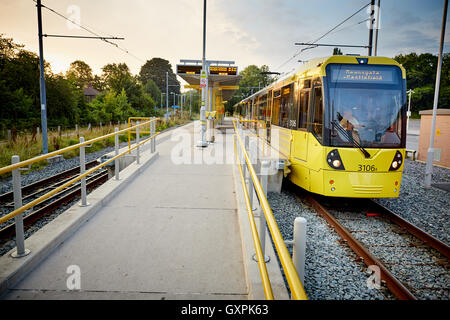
pixel 412 229
pixel 256 240
pixel 393 284
pixel 69 148
pixel 296 286
pixel 54 191
pixel 8 196
pixel 9 230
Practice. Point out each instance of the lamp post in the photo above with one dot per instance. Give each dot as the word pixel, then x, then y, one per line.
pixel 408 114
pixel 167 96
pixel 430 153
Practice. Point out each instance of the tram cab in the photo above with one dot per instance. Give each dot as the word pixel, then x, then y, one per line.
pixel 341 122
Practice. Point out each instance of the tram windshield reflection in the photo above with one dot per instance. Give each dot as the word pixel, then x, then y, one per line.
pixel 369 109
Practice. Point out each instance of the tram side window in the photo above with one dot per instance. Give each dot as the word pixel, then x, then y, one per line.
pixel 276 108
pixel 269 107
pixel 286 106
pixel 302 116
pixel 317 124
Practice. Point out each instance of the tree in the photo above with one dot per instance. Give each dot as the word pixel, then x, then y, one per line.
pixel 253 79
pixel 80 74
pixel 152 89
pixel 156 69
pixel 62 101
pixel 421 77
pixel 116 76
pixel 110 106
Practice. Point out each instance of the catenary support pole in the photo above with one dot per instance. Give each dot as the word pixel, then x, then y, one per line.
pixel 42 81
pixel 377 28
pixel 372 11
pixel 430 153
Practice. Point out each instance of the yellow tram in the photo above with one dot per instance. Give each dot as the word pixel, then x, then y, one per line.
pixel 341 123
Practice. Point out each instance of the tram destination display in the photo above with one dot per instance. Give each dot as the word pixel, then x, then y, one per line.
pixel 196 69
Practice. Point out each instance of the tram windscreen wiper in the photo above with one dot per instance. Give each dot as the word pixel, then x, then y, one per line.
pixel 350 139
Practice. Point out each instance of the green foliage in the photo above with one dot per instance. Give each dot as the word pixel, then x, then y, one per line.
pixel 252 80
pixel 111 106
pixel 155 69
pixel 152 89
pixel 80 74
pixel 421 77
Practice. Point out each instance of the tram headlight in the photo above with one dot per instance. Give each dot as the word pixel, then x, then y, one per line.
pixel 334 160
pixel 336 163
pixel 396 162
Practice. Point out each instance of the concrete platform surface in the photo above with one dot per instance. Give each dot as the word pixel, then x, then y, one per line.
pixel 171 233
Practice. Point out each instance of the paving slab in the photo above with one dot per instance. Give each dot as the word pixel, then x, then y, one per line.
pixel 171 233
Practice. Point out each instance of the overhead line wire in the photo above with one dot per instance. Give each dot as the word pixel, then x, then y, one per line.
pixel 325 34
pixel 92 32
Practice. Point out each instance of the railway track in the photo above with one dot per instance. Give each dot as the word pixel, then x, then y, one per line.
pixel 47 207
pixel 45 184
pixel 410 262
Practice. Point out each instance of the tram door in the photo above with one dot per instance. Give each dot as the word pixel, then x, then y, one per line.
pixel 300 136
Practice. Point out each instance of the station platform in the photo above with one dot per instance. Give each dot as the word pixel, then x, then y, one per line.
pixel 176 228
pixel 171 233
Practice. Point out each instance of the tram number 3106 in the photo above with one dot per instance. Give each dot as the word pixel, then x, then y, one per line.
pixel 367 168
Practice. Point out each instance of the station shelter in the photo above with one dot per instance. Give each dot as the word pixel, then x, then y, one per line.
pixel 223 80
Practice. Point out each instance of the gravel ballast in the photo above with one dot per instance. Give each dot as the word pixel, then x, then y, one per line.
pixel 332 270
pixel 428 209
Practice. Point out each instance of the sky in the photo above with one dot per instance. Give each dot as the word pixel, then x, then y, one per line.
pixel 260 32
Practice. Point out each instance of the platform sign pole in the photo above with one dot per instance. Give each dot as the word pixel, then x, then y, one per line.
pixel 430 153
pixel 203 84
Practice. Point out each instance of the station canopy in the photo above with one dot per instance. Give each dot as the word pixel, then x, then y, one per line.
pixel 222 75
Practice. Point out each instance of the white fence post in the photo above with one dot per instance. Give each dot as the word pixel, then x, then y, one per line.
pixel 153 132
pixel 116 148
pixel 83 170
pixel 262 218
pixel 299 247
pixel 137 143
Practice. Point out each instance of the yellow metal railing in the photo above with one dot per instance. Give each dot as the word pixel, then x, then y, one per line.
pixel 18 165
pixel 130 124
pixel 295 285
pixel 259 254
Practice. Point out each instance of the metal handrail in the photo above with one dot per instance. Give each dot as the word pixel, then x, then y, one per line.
pixel 130 119
pixel 11 167
pixel 17 211
pixel 297 290
pixel 259 253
